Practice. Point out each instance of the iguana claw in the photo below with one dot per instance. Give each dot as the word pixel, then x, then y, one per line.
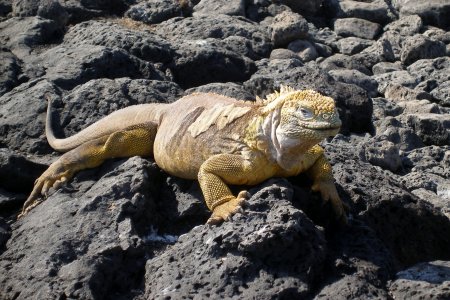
pixel 225 211
pixel 54 176
pixel 328 192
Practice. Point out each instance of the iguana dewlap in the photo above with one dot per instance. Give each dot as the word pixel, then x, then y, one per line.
pixel 215 139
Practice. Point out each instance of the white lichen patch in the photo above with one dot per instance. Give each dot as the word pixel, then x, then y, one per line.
pixel 153 236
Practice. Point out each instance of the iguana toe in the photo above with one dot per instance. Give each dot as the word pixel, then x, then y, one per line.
pixel 226 210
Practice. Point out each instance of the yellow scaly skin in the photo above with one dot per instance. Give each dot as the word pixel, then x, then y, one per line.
pixel 215 139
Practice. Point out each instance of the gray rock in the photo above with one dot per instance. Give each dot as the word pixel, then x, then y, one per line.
pixel 419 47
pixel 140 43
pixel 352 45
pixel 399 93
pixel 230 32
pixel 384 154
pixel 429 161
pixel 70 66
pixel 419 107
pixel 396 40
pixel 383 108
pixel 17 173
pixel 394 78
pixel 385 208
pixel 9 72
pixel 229 89
pixel 428 172
pixel 357 78
pixel 442 93
pixel 226 7
pixel 24 8
pixel 433 129
pixel 206 61
pixel 406 25
pixel 386 67
pixel 380 51
pixel 323 50
pixel 359 265
pixel 356 27
pixel 10 202
pixel 287 27
pixel 432 74
pixel 397 31
pixel 277 8
pixel 281 53
pixel 341 61
pixel 5 7
pixel 251 244
pixel 22 35
pixel 154 11
pixel 306 7
pixel 439 200
pixel 324 36
pixel 5 231
pixel 351 287
pixel 434 12
pixel 304 49
pixel 48 9
pixel 394 130
pixel 428 280
pixel 53 10
pixel 90 243
pixel 76 10
pixel 376 11
pixel 22 122
pixel 437 34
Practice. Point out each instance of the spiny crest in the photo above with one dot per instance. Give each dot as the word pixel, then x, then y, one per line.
pixel 284 89
pixel 289 97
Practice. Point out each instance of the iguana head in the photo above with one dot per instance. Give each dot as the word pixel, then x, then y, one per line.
pixel 292 119
pixel 304 114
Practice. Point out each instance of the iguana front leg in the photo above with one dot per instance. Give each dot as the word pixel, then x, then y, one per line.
pixel 323 182
pixel 137 140
pixel 213 175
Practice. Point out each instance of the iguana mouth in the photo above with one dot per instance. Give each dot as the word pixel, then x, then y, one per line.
pixel 327 128
pixel 322 127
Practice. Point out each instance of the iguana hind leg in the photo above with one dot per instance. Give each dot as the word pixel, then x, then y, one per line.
pixel 213 176
pixel 136 140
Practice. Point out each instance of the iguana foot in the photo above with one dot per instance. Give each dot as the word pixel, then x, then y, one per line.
pixel 225 211
pixel 54 177
pixel 328 192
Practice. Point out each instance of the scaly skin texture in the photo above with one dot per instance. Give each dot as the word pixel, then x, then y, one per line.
pixel 215 139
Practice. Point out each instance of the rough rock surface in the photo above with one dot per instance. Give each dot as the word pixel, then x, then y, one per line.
pixel 356 27
pixel 226 7
pixel 154 11
pixel 127 230
pixel 217 262
pixel 430 280
pixel 288 26
pixel 434 12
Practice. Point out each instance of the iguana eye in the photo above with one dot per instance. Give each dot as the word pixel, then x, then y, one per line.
pixel 306 113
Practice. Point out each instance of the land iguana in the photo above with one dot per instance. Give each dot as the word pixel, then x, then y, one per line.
pixel 213 138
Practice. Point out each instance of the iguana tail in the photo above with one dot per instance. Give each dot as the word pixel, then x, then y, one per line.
pixel 116 121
